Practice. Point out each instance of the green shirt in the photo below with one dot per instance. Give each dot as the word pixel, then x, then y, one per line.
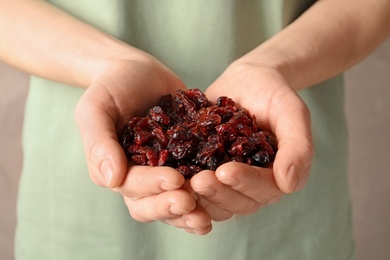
pixel 63 215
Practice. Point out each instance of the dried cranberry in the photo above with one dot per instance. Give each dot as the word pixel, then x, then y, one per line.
pixel 190 134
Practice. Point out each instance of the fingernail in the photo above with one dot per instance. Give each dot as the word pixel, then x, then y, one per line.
pixel 106 172
pixel 175 210
pixel 189 224
pixel 292 178
pixel 194 195
pixel 169 186
pixel 196 230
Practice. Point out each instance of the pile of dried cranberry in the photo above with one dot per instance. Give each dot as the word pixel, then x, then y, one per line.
pixel 190 134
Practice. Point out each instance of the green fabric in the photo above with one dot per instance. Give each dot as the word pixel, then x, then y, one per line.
pixel 63 215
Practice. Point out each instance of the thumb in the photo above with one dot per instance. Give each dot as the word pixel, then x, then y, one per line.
pixel 107 164
pixel 292 166
pixel 295 148
pixel 106 160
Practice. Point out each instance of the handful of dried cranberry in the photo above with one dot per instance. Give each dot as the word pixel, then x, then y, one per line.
pixel 190 134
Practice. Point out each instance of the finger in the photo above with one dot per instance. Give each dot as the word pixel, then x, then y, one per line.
pixel 143 181
pixel 295 146
pixel 208 186
pixel 106 160
pixel 166 205
pixel 215 212
pixel 203 231
pixel 254 182
pixel 292 167
pixel 195 222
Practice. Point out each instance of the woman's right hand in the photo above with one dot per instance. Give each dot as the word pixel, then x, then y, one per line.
pixel 126 88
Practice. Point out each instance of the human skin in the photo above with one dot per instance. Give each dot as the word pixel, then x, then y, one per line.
pixel 338 33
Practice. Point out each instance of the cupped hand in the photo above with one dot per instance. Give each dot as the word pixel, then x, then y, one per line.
pixel 123 89
pixel 237 188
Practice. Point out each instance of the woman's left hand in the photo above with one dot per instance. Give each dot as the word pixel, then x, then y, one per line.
pixel 237 188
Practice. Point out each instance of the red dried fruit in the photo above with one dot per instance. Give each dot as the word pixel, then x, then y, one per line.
pixel 157 114
pixel 189 133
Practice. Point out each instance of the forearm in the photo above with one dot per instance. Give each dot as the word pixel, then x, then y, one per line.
pixel 326 40
pixel 40 39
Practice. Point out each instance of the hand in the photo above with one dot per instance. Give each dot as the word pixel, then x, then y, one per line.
pixel 237 188
pixel 124 89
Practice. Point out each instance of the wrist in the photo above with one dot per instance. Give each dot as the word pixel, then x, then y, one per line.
pixel 113 52
pixel 269 60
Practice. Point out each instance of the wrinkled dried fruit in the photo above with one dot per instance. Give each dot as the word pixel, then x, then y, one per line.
pixel 190 134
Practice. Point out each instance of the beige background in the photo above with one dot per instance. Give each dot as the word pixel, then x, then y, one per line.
pixel 367 109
